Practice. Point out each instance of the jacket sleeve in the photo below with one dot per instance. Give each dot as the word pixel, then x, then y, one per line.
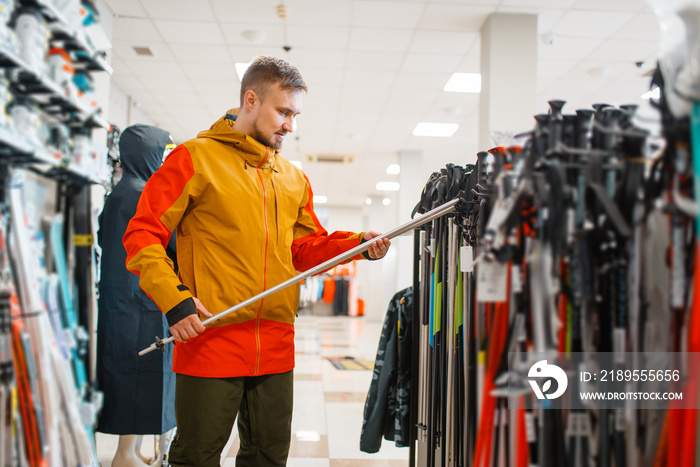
pixel 161 206
pixel 312 244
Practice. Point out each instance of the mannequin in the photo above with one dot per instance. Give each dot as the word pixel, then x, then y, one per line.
pixel 139 392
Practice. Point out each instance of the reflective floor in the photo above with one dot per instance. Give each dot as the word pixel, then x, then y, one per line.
pixel 328 402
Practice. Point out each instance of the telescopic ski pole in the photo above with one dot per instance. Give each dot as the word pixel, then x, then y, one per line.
pixel 407 227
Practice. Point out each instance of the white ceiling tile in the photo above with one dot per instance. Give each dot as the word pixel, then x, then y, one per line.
pixel 446 42
pixel 411 93
pixel 434 81
pixel 324 93
pixel 125 50
pixel 375 93
pixel 259 11
pixel 197 54
pixel 454 17
pixel 385 40
pixel 470 64
pixel 367 60
pixel 431 62
pixel 320 77
pixel 386 14
pixel 591 23
pixel 567 48
pixel 607 5
pixel 318 37
pixel 126 7
pixel 311 58
pixel 318 12
pixel 363 78
pixel 554 68
pixel 135 30
pixel 624 50
pixel 538 3
pixel 606 70
pixel 128 84
pixel 172 85
pixel 120 68
pixel 212 71
pixel 190 32
pixel 272 34
pixel 217 86
pixel 161 69
pixel 246 54
pixel 643 27
pixel 184 10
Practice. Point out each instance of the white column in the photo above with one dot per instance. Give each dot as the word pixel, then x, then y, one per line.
pixel 508 75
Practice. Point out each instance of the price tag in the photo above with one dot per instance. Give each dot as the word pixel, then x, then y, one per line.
pixel 466 259
pixel 491 281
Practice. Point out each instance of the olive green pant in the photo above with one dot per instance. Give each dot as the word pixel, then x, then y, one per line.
pixel 205 409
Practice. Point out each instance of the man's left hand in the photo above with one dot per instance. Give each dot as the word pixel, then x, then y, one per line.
pixel 379 248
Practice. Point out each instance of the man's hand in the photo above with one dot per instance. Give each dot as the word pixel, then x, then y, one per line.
pixel 191 326
pixel 379 248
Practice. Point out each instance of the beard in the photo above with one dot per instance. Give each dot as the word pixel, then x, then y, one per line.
pixel 260 137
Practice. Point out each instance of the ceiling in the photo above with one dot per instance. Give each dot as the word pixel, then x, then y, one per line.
pixel 374 70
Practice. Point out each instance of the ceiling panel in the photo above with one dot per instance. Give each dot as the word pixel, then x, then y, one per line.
pixel 607 5
pixel 623 50
pixel 318 37
pixel 160 69
pixel 195 53
pixel 644 27
pixel 443 17
pixel 438 63
pixel 378 14
pixel 212 70
pixel 126 7
pixel 385 40
pixel 567 48
pixel 271 35
pixel 259 11
pixel 184 10
pixel 444 41
pixel 369 60
pixel 135 30
pixel 190 32
pixel 580 24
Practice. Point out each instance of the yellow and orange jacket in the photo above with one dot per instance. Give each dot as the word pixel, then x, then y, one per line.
pixel 245 222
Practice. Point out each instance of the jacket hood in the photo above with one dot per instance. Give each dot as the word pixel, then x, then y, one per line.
pixel 141 149
pixel 254 152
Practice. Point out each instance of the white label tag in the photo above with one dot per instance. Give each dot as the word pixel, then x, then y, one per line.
pixel 466 259
pixel 530 428
pixel 491 281
pixel 516 283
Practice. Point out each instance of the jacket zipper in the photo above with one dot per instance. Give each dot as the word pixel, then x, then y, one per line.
pixel 267 239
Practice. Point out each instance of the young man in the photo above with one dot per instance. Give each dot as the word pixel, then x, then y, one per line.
pixel 245 222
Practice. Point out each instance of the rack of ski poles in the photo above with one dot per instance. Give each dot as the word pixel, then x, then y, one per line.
pixel 579 242
pixel 46 409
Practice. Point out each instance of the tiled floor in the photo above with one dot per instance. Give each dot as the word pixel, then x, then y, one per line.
pixel 328 403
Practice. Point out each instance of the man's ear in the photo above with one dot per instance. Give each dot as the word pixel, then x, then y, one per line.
pixel 250 98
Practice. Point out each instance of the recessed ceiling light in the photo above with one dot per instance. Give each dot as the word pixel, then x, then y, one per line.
pixel 387 186
pixel 464 82
pixel 368 201
pixel 386 201
pixel 254 35
pixel 653 94
pixel 393 169
pixel 240 69
pixel 320 199
pixel 297 164
pixel 444 130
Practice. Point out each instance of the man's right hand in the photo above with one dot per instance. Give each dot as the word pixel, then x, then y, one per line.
pixel 190 326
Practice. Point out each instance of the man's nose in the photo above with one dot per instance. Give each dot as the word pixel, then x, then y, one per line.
pixel 288 124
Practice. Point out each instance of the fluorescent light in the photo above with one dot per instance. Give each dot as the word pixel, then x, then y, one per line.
pixel 464 82
pixel 653 94
pixel 387 186
pixel 320 199
pixel 393 169
pixel 443 130
pixel 368 201
pixel 240 69
pixel 386 201
pixel 297 164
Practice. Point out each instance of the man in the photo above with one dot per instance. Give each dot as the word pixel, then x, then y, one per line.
pixel 245 222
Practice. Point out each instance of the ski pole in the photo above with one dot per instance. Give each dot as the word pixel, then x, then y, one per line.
pixel 407 227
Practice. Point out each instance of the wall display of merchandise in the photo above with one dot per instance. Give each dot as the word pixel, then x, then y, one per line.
pixel 48 403
pixel 577 246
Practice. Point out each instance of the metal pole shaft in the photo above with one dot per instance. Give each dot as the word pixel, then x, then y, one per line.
pixel 408 226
